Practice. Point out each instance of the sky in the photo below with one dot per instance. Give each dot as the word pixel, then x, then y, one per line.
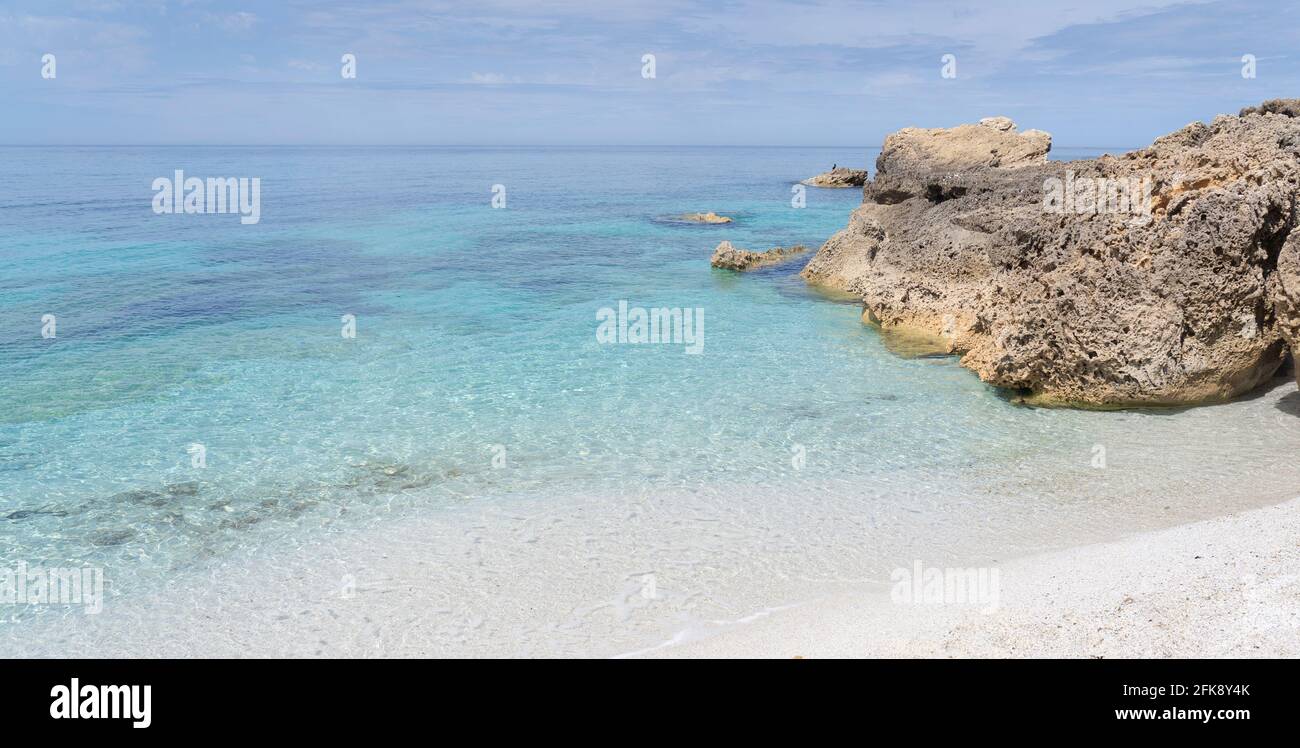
pixel 1094 73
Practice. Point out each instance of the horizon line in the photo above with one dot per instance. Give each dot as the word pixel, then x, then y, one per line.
pixel 486 145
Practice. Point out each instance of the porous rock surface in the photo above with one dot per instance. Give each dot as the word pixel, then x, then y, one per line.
pixel 729 257
pixel 1165 276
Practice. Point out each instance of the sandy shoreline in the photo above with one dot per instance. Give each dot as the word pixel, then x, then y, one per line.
pixel 1096 568
pixel 511 584
pixel 1223 587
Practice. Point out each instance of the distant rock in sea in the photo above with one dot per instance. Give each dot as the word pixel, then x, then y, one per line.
pixel 1165 276
pixel 729 257
pixel 839 177
pixel 709 217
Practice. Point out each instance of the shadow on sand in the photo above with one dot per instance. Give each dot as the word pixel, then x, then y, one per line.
pixel 1290 404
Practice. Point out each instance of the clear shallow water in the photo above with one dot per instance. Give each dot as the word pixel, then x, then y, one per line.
pixel 476 338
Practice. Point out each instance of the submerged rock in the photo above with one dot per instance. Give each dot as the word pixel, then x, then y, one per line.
pixel 1164 276
pixel 29 513
pixel 188 488
pixel 709 217
pixel 150 497
pixel 839 177
pixel 104 538
pixel 729 257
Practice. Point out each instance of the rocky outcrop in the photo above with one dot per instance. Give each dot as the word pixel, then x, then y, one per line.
pixel 1285 107
pixel 1164 276
pixel 709 217
pixel 841 176
pixel 1285 294
pixel 729 257
pixel 940 164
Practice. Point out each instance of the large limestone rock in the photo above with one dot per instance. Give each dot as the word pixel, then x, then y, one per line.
pixel 1163 276
pixel 937 163
pixel 1285 293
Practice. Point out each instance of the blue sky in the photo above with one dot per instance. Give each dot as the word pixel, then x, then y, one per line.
pixel 745 72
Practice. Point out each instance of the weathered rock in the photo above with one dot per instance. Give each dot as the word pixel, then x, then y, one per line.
pixel 1285 294
pixel 1004 124
pixel 1172 280
pixel 1285 107
pixel 839 177
pixel 709 217
pixel 939 163
pixel 1284 284
pixel 729 257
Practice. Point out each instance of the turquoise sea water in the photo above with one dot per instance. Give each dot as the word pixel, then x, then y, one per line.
pixel 475 377
pixel 475 326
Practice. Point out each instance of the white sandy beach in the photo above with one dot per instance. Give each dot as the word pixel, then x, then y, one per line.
pixel 1224 587
pixel 1185 555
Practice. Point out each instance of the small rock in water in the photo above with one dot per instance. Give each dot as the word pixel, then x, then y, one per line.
pixel 729 257
pixel 839 177
pixel 709 217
